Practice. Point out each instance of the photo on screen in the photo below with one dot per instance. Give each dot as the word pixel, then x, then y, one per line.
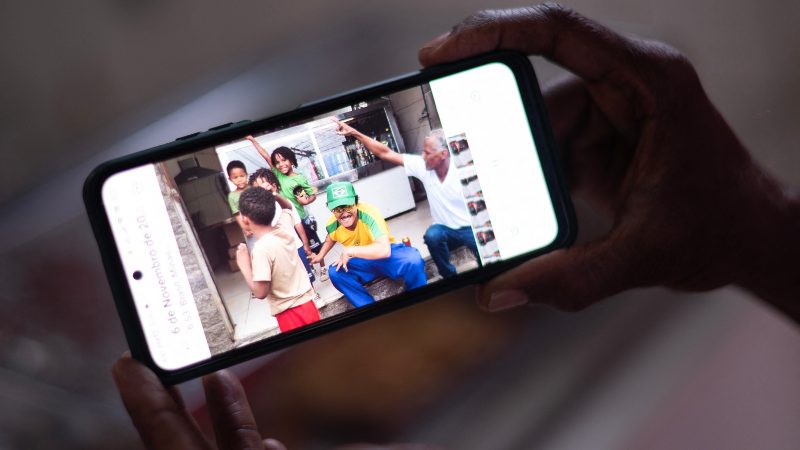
pixel 248 239
pixel 207 186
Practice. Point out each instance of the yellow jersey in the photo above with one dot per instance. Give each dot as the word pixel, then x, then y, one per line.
pixel 369 227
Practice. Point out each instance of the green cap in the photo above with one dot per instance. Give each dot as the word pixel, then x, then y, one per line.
pixel 341 193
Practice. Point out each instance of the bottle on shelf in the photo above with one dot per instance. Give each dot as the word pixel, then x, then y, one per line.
pixel 343 161
pixel 330 164
pixel 351 154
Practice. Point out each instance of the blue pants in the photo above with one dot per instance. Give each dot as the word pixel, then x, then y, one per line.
pixel 302 254
pixel 441 239
pixel 404 262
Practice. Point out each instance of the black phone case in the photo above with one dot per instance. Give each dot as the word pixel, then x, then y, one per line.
pixel 542 134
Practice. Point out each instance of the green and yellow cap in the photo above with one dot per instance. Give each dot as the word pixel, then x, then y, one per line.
pixel 341 193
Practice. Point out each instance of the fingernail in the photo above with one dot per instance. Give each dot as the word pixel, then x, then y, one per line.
pixel 273 444
pixel 502 300
pixel 116 368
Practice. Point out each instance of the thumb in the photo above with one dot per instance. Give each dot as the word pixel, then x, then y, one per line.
pixel 233 421
pixel 568 279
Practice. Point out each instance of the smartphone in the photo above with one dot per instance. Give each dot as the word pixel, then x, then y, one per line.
pixel 369 177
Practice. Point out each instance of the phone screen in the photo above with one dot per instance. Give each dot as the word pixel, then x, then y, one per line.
pixel 468 191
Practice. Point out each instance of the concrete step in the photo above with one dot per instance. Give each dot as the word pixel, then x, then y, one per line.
pixel 380 289
pixel 383 288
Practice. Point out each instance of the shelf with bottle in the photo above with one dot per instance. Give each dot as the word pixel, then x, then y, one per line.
pixel 339 155
pixel 337 161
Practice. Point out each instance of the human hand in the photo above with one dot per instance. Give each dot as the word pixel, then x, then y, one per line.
pixel 344 258
pixel 250 138
pixel 343 129
pixel 640 139
pixel 243 257
pixel 307 249
pixel 314 259
pixel 161 418
pixel 264 184
pixel 302 198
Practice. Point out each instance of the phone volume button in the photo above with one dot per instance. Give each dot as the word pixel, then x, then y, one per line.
pixel 188 136
pixel 219 127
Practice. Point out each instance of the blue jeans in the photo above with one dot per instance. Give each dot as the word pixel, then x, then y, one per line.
pixel 302 254
pixel 441 239
pixel 404 262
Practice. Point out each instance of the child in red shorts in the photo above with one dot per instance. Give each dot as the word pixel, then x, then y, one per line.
pixel 274 270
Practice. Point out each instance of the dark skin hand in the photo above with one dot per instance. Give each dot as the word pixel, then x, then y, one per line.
pixel 642 142
pixel 160 417
pixel 163 423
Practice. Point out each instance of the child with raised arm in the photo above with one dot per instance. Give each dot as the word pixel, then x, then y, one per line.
pixel 273 270
pixel 283 161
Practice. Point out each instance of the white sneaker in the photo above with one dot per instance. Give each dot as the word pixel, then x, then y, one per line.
pixel 323 274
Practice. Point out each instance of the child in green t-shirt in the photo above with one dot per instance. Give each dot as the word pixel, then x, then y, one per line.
pixel 237 173
pixel 283 162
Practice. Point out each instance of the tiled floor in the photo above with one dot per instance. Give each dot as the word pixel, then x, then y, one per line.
pixel 251 316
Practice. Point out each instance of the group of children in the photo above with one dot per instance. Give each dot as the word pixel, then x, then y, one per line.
pixel 282 244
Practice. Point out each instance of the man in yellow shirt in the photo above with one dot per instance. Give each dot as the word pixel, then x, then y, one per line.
pixel 369 248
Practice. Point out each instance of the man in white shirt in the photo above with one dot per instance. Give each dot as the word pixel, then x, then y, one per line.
pixel 434 168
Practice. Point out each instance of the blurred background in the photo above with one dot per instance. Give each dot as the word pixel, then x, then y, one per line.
pixel 88 80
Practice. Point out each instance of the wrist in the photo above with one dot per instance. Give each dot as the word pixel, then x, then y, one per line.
pixel 247 273
pixel 771 272
pixel 361 136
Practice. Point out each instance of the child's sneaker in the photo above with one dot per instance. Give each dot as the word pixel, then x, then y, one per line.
pixel 323 274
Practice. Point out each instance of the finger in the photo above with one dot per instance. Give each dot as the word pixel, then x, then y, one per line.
pixel 157 413
pixel 583 46
pixel 567 103
pixel 339 126
pixel 273 444
pixel 612 64
pixel 588 146
pixel 568 279
pixel 233 421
